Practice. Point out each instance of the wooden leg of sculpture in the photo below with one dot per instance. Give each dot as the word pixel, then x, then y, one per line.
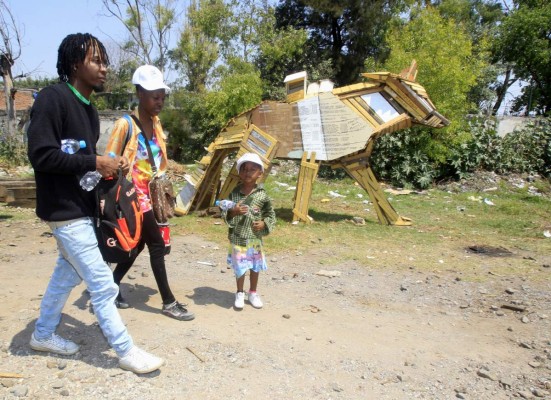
pixel 306 177
pixel 385 212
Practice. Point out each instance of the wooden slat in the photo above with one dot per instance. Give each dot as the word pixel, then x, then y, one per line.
pixel 351 90
pixel 9 184
pixel 300 216
pixel 296 96
pixel 402 91
pixel 405 104
pixel 410 73
pixel 234 130
pixel 433 121
pixel 354 108
pixel 207 186
pixel 418 110
pixel 227 139
pixel 306 185
pixel 375 194
pixel 205 160
pixel 401 122
pixel 307 175
pixel 23 203
pixel 378 76
pixel 363 174
pixel 20 193
pixel 355 105
pixel 375 88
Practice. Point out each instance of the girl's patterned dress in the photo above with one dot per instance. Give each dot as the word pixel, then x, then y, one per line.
pixel 246 247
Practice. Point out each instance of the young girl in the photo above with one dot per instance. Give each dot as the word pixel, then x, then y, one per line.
pixel 151 92
pixel 248 221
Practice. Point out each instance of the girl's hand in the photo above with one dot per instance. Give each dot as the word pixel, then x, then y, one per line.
pixel 124 165
pixel 106 166
pixel 239 209
pixel 258 226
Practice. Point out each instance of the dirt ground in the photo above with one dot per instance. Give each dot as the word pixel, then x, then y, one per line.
pixel 365 334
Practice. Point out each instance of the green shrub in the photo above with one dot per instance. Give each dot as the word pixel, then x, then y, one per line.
pixel 326 172
pixel 524 151
pixel 480 150
pixel 527 150
pixel 13 152
pixel 401 159
pixel 404 158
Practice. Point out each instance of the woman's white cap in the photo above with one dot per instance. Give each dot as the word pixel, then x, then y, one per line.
pixel 250 157
pixel 150 78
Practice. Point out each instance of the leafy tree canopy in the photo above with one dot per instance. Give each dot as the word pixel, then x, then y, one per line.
pixel 524 40
pixel 344 31
pixel 448 68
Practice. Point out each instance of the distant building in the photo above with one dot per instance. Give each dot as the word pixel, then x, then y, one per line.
pixel 24 99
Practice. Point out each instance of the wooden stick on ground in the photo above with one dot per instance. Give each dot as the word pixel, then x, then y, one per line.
pixel 10 375
pixel 195 354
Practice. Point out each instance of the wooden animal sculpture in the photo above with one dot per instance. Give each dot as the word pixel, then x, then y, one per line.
pixel 317 124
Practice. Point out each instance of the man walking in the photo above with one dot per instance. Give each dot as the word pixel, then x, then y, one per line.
pixel 63 111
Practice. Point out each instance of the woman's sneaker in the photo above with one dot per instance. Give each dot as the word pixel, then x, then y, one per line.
pixel 255 300
pixel 54 344
pixel 121 303
pixel 178 311
pixel 140 361
pixel 239 300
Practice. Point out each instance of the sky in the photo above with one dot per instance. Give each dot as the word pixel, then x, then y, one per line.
pixel 44 23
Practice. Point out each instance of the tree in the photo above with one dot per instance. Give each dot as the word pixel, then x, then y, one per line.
pixel 213 55
pixel 119 91
pixel 481 19
pixel 10 51
pixel 238 89
pixel 344 31
pixel 448 67
pixel 199 46
pixel 149 24
pixel 278 52
pixel 524 41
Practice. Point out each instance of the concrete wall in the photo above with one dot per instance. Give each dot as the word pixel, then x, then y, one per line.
pixel 506 124
pixel 106 122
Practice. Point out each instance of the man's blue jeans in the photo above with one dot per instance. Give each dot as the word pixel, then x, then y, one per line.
pixel 80 260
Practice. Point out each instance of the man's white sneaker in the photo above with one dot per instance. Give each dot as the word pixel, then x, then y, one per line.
pixel 54 344
pixel 239 300
pixel 140 361
pixel 255 300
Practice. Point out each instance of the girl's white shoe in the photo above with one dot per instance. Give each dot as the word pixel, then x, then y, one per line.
pixel 239 300
pixel 255 300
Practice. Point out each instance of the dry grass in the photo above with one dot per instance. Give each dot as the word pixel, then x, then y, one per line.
pixel 444 226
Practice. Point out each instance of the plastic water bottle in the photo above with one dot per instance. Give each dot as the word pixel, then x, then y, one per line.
pixel 71 146
pixel 225 204
pixel 90 179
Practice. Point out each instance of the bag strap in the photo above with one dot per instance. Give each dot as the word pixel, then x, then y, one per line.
pixel 149 152
pixel 128 132
pixel 120 177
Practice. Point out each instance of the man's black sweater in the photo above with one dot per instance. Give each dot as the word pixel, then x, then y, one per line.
pixel 58 114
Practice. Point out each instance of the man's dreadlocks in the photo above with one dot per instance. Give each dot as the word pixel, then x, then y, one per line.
pixel 73 49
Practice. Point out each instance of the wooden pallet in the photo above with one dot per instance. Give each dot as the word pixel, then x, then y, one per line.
pixel 307 176
pixel 18 192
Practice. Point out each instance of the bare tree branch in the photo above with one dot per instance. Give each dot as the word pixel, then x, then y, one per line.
pixel 10 50
pixel 9 31
pixel 148 23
